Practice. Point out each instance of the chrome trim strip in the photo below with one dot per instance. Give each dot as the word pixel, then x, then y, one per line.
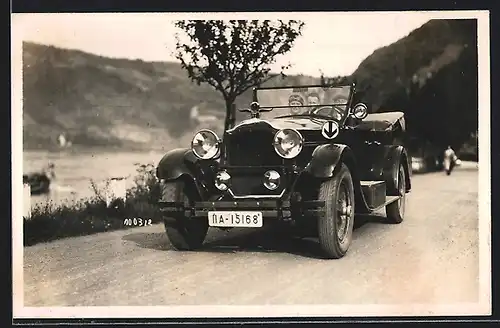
pixel 255 196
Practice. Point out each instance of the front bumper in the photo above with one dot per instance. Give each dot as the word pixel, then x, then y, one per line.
pixel 276 209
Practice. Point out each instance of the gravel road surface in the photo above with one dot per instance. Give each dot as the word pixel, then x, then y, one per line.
pixel 432 257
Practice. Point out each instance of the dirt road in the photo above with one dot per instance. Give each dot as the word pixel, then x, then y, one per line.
pixel 432 257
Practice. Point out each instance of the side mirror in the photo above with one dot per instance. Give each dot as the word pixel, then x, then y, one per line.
pixel 360 111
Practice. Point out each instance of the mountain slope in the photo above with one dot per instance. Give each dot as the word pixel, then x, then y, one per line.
pixel 97 100
pixel 113 102
pixel 431 75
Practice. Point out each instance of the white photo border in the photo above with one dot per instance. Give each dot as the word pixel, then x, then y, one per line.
pixel 483 307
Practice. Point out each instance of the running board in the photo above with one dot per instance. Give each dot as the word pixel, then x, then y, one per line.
pixel 374 193
pixel 388 200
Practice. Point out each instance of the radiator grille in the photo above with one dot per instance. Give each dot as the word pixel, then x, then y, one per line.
pixel 252 148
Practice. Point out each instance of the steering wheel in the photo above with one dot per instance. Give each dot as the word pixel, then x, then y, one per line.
pixel 334 111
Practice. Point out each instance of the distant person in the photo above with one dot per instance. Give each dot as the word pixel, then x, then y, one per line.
pixel 450 159
pixel 62 140
pixel 50 171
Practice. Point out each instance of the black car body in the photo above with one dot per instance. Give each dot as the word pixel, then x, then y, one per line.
pixel 311 165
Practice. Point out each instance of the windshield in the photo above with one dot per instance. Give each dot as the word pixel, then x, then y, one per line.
pixel 327 101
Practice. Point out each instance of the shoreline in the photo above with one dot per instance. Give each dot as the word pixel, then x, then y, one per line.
pixel 88 214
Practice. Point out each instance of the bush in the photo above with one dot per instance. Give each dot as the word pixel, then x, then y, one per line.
pixel 89 216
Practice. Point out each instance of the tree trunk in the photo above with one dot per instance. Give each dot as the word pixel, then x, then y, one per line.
pixel 230 115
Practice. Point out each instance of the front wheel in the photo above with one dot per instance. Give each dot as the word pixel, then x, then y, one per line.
pixel 183 233
pixel 335 226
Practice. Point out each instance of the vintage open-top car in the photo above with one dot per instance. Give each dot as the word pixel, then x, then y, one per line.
pixel 308 156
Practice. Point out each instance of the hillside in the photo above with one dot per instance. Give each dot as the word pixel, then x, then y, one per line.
pixel 98 101
pixel 431 75
pixel 103 101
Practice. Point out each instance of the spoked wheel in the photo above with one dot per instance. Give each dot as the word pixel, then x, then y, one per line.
pixel 336 225
pixel 183 233
pixel 395 211
pixel 343 211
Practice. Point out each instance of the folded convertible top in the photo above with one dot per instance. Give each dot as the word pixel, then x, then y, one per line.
pixel 383 122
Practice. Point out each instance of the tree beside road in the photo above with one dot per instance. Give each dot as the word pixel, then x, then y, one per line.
pixel 233 56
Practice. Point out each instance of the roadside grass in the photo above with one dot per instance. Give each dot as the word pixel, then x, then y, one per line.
pixel 50 222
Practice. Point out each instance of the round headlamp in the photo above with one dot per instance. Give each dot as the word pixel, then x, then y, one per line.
pixel 205 144
pixel 288 143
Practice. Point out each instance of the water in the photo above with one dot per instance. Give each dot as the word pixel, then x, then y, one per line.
pixel 75 169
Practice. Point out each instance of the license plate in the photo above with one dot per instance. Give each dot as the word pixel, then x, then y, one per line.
pixel 235 219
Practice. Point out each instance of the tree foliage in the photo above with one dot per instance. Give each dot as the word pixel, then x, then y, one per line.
pixel 235 55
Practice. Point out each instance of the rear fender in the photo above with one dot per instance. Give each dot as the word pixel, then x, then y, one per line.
pixel 181 163
pixel 325 162
pixel 396 156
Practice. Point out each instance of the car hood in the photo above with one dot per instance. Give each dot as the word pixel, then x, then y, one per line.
pixel 297 123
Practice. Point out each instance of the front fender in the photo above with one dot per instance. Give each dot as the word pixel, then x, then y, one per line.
pixel 176 163
pixel 396 156
pixel 181 163
pixel 324 160
pixel 324 163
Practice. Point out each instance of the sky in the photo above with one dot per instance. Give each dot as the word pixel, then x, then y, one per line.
pixel 334 43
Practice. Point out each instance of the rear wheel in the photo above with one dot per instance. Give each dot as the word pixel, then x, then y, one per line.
pixel 336 225
pixel 395 211
pixel 184 233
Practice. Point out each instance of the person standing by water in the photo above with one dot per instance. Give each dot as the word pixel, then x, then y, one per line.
pixel 450 159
